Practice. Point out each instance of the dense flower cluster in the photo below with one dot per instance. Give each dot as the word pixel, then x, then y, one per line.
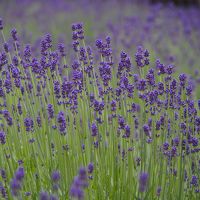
pixel 119 119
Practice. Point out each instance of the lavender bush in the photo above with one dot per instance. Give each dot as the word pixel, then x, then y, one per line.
pixel 98 124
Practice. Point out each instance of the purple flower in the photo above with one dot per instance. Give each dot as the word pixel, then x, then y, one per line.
pixel 98 106
pixel 74 35
pixel 173 151
pixel 74 27
pixel 183 126
pixel 15 61
pixel 125 64
pixel 158 191
pixel 158 124
pixel 96 144
pixel 160 67
pixel 94 129
pixel 80 31
pixel 77 76
pixel 8 118
pixel 27 52
pixel 135 107
pixel 83 176
pixel 78 185
pixel 153 96
pixel 75 45
pixel 150 77
pixel 57 89
pixel 19 174
pixel 99 44
pixel 39 120
pixel 1 24
pixel 113 105
pixel 124 82
pixel 141 85
pixel 76 192
pixel 189 90
pixel 195 142
pixel 108 40
pixel 15 72
pixel 55 176
pixel 194 181
pixel 90 168
pixel 27 194
pixel 3 59
pixel 3 174
pixel 50 111
pixel 121 122
pixel 169 69
pixel 198 104
pixel 2 94
pixel 8 84
pixel 75 65
pixel 44 196
pixel 105 73
pixel 48 40
pixel 182 78
pixel 28 123
pixel 173 86
pixel 139 57
pixel 166 146
pixel 15 187
pixel 61 121
pixel 6 47
pixel 146 129
pixel 143 181
pixel 3 191
pixel 2 137
pixel 127 131
pixel 14 34
pixel 66 88
pixel 53 197
pixel 136 121
pixel 45 44
pixel 61 49
pixel 16 182
pixel 136 78
pixel 176 141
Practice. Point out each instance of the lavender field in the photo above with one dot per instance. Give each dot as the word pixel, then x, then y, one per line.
pixel 99 100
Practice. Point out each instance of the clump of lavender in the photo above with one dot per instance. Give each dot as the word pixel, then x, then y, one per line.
pixel 16 182
pixel 3 192
pixel 2 137
pixel 44 196
pixel 143 181
pixel 61 122
pixel 80 182
pixel 1 24
pixel 28 123
pixel 55 177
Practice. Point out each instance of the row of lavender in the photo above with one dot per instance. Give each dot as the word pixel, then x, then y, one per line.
pixel 130 132
pixel 167 31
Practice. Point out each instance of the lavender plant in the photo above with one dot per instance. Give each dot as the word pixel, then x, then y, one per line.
pixel 128 127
